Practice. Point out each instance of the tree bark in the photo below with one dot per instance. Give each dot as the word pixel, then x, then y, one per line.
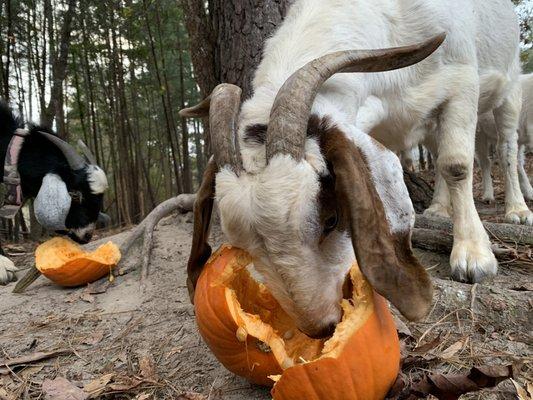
pixel 226 40
pixel 241 27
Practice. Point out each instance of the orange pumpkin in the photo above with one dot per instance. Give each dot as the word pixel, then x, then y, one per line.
pixel 253 337
pixel 67 264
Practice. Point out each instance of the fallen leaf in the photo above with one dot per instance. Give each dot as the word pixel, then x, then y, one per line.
pixel 452 350
pixel 97 386
pixel 62 389
pixel 97 287
pixel 451 386
pixel 428 346
pixel 93 338
pixel 520 391
pixel 89 298
pixel 143 396
pixel 147 368
pixel 124 384
pixel 401 327
pixel 71 298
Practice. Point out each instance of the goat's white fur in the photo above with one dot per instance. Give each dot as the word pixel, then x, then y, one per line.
pixel 487 135
pixel 511 150
pixel 97 179
pixel 272 210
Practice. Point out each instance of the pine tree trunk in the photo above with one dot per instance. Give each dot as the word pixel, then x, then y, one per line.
pixel 227 41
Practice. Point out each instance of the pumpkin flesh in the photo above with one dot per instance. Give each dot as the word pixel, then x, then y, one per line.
pixel 67 264
pixel 252 336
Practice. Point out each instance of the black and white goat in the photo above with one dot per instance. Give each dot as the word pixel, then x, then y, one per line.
pixel 68 189
pixel 305 189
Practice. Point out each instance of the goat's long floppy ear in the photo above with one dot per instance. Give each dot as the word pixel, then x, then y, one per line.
pixel 385 258
pixel 52 203
pixel 203 209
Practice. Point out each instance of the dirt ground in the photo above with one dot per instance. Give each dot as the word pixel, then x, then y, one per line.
pixel 146 346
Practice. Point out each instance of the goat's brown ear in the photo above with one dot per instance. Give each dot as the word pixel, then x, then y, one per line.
pixel 203 209
pixel 386 259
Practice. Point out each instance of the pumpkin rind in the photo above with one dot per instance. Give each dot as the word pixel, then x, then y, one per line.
pixel 219 330
pixel 361 366
pixel 67 264
pixel 366 368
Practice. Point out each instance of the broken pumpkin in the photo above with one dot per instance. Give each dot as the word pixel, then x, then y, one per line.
pixel 67 264
pixel 253 337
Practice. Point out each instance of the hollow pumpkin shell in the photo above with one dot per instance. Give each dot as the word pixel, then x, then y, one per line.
pixel 253 337
pixel 67 264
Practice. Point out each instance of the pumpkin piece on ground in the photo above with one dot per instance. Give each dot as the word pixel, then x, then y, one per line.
pixel 67 264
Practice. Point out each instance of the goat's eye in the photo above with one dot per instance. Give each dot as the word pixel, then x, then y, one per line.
pixel 331 222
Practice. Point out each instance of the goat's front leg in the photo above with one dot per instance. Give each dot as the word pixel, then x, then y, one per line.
pixel 471 259
pixel 7 269
pixel 506 117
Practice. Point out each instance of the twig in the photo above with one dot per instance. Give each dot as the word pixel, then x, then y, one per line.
pixel 31 358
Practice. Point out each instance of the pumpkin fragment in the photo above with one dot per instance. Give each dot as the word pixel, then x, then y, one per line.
pixel 67 264
pixel 253 337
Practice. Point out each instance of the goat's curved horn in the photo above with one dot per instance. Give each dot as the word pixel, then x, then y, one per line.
pixel 289 116
pixel 87 152
pixel 73 158
pixel 198 111
pixel 223 106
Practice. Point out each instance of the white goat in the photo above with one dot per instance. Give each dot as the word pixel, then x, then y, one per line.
pixel 305 187
pixel 487 136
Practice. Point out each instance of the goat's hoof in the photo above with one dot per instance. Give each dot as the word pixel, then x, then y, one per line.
pixel 437 211
pixel 7 271
pixel 472 262
pixel 524 217
pixel 488 199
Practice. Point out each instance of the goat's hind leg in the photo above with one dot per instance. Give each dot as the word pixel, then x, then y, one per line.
pixel 485 164
pixel 525 184
pixel 506 117
pixel 440 204
pixel 471 259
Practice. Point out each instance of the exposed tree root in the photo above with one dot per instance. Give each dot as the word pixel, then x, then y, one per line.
pixel 182 203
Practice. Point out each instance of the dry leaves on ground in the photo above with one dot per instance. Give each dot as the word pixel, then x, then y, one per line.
pixel 450 386
pixel 61 389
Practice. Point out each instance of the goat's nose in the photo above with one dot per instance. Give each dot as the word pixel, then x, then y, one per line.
pixel 87 237
pixel 324 332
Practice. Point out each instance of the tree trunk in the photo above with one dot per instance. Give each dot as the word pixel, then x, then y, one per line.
pixel 227 39
pixel 59 65
pixel 241 27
